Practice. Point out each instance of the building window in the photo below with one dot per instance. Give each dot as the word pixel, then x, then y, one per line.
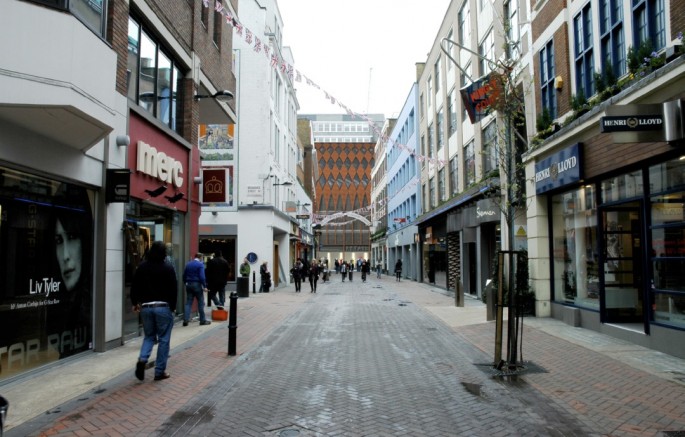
pixel 429 93
pixel 452 111
pixel 439 129
pixel 649 23
pixel 423 150
pixel 430 140
pixel 547 72
pixel 464 25
pixel 454 175
pixel 487 53
pixel 436 74
pixel 513 30
pixel 582 30
pixel 216 35
pixel 611 36
pixel 575 252
pixel 450 48
pixel 421 106
pixel 668 234
pixel 153 77
pixel 441 184
pixel 431 195
pixel 490 148
pixel 469 164
pixel 204 17
pixel 465 80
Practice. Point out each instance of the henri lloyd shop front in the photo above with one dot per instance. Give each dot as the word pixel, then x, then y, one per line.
pixel 616 224
pixel 159 204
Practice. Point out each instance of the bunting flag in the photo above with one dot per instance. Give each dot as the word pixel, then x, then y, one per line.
pixel 257 45
pixel 248 36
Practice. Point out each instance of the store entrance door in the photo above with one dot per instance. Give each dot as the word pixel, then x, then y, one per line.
pixel 623 264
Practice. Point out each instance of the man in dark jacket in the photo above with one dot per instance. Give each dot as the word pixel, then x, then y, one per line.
pixel 217 277
pixel 153 294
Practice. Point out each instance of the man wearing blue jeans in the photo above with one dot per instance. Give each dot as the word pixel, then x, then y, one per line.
pixel 153 295
pixel 194 278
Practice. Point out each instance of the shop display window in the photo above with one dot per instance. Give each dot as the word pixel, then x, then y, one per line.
pixel 575 249
pixel 667 181
pixel 46 245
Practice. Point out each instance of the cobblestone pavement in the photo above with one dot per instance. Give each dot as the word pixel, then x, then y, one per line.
pixel 380 359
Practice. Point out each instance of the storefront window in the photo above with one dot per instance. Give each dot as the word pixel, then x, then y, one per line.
pixel 667 181
pixel 46 244
pixel 575 256
pixel 145 224
pixel 625 186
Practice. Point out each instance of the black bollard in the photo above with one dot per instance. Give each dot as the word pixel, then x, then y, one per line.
pixel 254 282
pixel 232 322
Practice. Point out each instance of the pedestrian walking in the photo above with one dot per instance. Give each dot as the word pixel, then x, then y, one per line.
pixel 350 270
pixel 217 277
pixel 378 269
pixel 343 270
pixel 195 282
pixel 365 270
pixel 153 295
pixel 398 269
pixel 265 277
pixel 297 272
pixel 337 267
pixel 313 275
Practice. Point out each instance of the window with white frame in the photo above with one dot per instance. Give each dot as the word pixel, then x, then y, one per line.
pixel 452 112
pixel 464 24
pixel 513 28
pixel 469 164
pixel 547 71
pixel 490 148
pixel 436 73
pixel 440 134
pixel 649 17
pixel 486 49
pixel 584 64
pixel 454 175
pixel 441 185
pixel 612 38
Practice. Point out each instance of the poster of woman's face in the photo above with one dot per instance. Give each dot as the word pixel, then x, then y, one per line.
pixel 46 297
pixel 68 251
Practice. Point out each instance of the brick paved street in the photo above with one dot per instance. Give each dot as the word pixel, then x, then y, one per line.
pixel 376 359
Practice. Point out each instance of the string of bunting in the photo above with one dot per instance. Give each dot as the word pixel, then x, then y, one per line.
pixel 295 75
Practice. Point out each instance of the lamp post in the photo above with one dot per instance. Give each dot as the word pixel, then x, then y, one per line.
pixel 501 100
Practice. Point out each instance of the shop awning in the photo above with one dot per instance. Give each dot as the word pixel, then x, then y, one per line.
pixel 466 196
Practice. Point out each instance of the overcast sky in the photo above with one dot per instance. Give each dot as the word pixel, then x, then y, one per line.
pixel 362 52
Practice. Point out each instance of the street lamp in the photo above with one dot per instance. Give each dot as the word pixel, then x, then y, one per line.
pixel 220 96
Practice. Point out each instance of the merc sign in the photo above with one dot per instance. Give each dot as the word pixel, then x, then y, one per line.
pixel 159 165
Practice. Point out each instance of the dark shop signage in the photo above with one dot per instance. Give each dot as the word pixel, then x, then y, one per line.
pixel 630 123
pixel 118 186
pixel 560 169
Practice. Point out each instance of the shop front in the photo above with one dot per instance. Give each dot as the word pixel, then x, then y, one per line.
pixel 157 211
pixel 616 238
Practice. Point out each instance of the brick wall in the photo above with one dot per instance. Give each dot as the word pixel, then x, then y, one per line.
pixel 547 13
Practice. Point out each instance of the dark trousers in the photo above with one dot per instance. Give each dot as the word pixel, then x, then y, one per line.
pixel 298 283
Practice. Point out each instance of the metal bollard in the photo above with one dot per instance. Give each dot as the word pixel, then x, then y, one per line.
pixel 232 323
pixel 254 282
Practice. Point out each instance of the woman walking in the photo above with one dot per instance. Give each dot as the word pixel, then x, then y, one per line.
pixel 398 270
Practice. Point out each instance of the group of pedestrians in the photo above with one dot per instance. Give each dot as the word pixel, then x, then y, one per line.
pixel 311 271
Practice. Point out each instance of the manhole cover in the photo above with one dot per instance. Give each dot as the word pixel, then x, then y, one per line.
pixel 289 433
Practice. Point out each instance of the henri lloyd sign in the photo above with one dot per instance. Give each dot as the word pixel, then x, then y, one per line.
pixel 632 123
pixel 562 168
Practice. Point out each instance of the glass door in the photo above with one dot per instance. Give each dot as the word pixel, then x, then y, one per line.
pixel 623 270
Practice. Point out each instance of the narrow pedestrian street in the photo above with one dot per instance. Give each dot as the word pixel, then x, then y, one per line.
pixel 379 358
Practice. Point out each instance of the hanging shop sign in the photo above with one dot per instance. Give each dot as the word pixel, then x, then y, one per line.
pixel 560 169
pixel 118 186
pixel 634 123
pixel 482 95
